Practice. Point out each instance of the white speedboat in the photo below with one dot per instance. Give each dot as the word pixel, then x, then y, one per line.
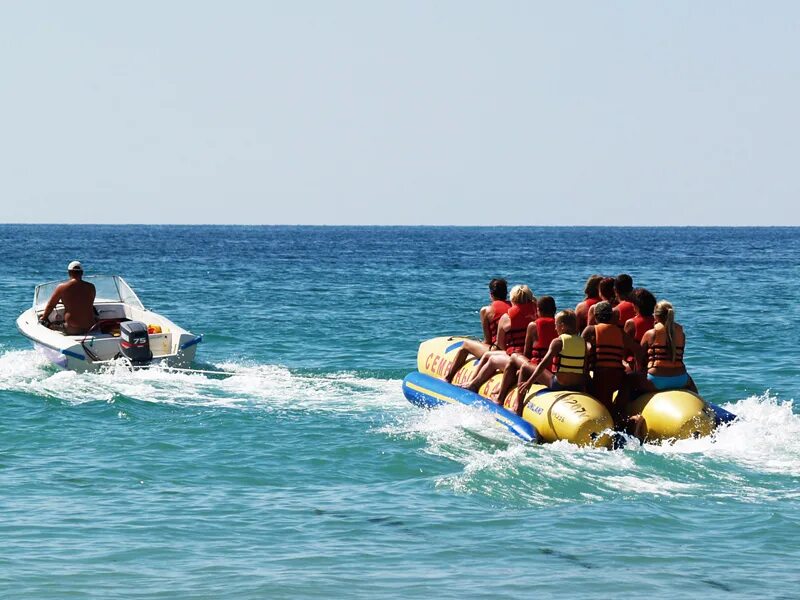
pixel 125 330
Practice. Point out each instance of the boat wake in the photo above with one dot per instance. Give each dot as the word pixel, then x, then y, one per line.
pixel 754 459
pixel 271 387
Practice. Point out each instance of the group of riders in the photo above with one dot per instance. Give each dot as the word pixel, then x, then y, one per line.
pixel 618 339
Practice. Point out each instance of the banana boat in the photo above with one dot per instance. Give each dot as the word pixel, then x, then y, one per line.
pixel 550 415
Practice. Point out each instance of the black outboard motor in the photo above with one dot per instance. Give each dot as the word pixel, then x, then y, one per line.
pixel 134 343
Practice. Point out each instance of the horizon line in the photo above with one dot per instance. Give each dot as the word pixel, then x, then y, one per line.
pixel 354 225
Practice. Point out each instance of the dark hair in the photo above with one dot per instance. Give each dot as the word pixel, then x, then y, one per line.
pixel 568 318
pixel 607 287
pixel 498 288
pixel 623 284
pixel 592 286
pixel 546 305
pixel 603 312
pixel 644 301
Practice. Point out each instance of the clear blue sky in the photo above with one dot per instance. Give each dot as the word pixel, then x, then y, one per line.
pixel 400 112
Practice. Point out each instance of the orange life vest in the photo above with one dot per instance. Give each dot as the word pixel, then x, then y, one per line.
pixel 521 316
pixel 659 354
pixel 608 346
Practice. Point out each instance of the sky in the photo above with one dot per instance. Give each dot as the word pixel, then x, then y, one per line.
pixel 400 113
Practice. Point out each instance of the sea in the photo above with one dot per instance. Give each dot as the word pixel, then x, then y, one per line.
pixel 304 473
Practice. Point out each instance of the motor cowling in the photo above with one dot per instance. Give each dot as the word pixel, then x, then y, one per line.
pixel 134 343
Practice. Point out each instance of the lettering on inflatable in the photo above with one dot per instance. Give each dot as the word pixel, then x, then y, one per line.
pixel 492 389
pixel 444 366
pixel 428 362
pixel 575 405
pixel 435 363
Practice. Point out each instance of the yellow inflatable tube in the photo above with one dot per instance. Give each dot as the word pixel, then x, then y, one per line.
pixel 571 416
pixel 578 417
pixel 674 414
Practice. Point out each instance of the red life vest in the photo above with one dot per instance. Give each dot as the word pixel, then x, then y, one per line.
pixel 643 325
pixel 500 307
pixel 626 311
pixel 521 315
pixel 545 334
pixel 608 346
pixel 590 302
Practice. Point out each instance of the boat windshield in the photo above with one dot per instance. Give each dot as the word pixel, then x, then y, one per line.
pixel 110 288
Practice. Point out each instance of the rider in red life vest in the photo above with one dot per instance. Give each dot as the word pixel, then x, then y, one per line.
pixel 592 292
pixel 511 334
pixel 607 294
pixel 541 333
pixel 643 320
pixel 623 289
pixel 490 317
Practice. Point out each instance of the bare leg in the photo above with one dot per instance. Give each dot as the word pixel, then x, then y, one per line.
pixel 472 347
pixel 497 361
pixel 479 368
pixel 509 376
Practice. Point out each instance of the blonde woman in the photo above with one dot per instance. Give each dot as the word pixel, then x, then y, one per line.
pixel 511 333
pixel 664 345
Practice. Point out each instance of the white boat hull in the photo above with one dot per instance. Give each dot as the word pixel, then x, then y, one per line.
pixel 171 345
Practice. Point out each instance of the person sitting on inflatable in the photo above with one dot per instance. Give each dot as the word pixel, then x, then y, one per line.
pixel 610 344
pixel 511 335
pixel 644 302
pixel 537 341
pixel 592 293
pixel 607 294
pixel 490 317
pixel 567 353
pixel 623 290
pixel 664 345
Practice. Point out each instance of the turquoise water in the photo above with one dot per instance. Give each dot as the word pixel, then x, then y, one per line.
pixel 308 474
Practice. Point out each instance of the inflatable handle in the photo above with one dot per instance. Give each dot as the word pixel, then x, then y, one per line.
pixel 428 392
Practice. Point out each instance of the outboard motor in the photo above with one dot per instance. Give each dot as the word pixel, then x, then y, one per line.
pixel 134 343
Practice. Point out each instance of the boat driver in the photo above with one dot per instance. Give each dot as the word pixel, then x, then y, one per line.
pixel 77 296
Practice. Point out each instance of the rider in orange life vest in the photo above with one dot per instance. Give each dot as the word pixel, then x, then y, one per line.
pixel 567 353
pixel 643 302
pixel 607 294
pixel 490 317
pixel 592 292
pixel 609 344
pixel 664 345
pixel 511 335
pixel 623 289
pixel 540 333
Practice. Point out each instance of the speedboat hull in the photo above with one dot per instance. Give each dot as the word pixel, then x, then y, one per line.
pixel 173 348
pixel 116 304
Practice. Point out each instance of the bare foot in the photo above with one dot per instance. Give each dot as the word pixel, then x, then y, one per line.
pixel 637 425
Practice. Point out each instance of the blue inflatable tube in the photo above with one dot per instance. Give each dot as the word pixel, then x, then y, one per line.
pixel 723 416
pixel 428 392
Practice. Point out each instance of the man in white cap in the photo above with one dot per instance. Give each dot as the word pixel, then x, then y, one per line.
pixel 77 296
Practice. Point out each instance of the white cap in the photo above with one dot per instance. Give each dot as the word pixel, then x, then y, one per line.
pixel 75 266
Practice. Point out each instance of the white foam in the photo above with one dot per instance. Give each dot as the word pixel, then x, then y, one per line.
pixel 269 386
pixel 764 441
